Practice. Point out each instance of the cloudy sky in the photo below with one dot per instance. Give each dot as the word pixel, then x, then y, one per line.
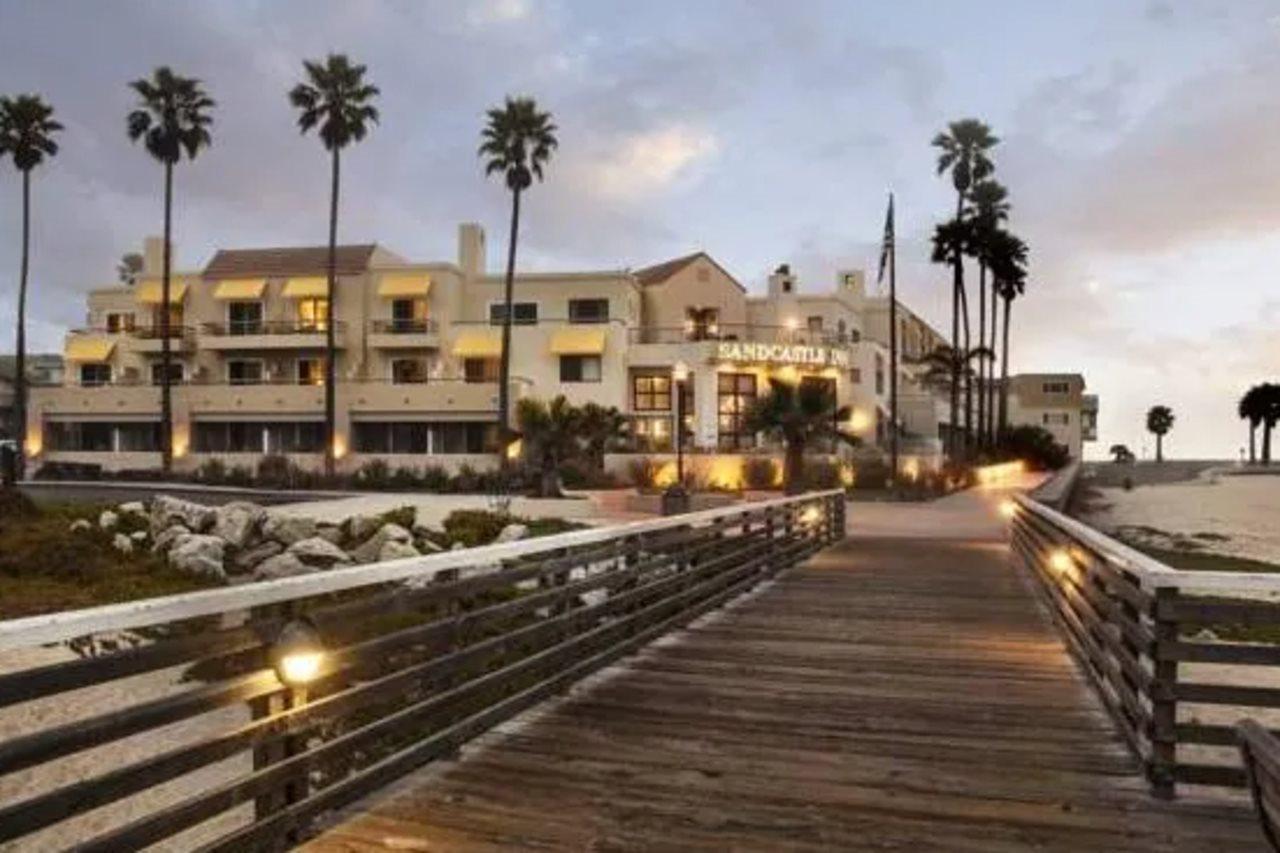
pixel 1140 142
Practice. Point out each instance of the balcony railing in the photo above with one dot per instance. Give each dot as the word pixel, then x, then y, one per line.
pixel 404 327
pixel 269 327
pixel 741 332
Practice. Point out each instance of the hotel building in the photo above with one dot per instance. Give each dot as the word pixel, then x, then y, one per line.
pixel 417 357
pixel 1057 403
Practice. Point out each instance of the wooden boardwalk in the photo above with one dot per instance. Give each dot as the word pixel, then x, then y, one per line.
pixel 887 695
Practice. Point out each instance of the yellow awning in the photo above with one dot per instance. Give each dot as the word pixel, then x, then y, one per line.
pixel 80 348
pixel 240 288
pixel 400 285
pixel 578 342
pixel 149 291
pixel 310 287
pixel 478 345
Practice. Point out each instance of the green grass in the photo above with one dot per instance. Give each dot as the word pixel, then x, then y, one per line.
pixel 1202 561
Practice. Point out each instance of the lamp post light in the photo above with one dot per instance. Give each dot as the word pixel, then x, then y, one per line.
pixel 675 499
pixel 297 656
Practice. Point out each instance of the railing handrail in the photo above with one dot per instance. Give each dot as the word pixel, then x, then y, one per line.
pixel 57 627
pixel 269 327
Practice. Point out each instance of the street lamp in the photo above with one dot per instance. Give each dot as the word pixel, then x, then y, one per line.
pixel 676 499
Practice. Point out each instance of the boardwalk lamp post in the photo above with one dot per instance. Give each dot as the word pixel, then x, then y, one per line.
pixel 297 655
pixel 676 498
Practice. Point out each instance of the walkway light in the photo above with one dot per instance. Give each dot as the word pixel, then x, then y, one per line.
pixel 1060 561
pixel 811 516
pixel 298 653
pixel 1008 508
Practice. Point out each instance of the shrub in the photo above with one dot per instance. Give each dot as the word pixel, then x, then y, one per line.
pixel 474 527
pixel 401 515
pixel 14 505
pixel 240 475
pixel 822 474
pixel 871 474
pixel 274 472
pixel 212 471
pixel 405 480
pixel 759 472
pixel 580 474
pixel 374 474
pixel 1034 445
pixel 434 479
pixel 643 472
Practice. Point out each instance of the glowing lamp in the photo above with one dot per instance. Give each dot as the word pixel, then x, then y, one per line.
pixel 1008 508
pixel 34 446
pixel 859 421
pixel 1060 561
pixel 811 516
pixel 515 448
pixel 339 447
pixel 791 323
pixel 680 371
pixel 298 654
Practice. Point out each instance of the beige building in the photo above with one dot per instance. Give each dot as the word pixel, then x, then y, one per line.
pixel 417 356
pixel 1057 403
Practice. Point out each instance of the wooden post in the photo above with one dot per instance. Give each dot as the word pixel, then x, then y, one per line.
pixel 1164 705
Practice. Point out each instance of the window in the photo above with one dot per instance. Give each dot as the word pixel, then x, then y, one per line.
pixel 175 320
pixel 294 437
pixel 313 314
pixel 588 310
pixel 651 393
pixel 842 331
pixel 652 434
pixel 702 324
pixel 408 315
pixel 1056 387
pixel 1056 418
pixel 311 371
pixel 736 392
pixel 855 375
pixel 258 437
pixel 579 368
pixel 815 324
pixel 522 313
pixel 93 375
pixel 879 374
pixel 481 369
pixel 244 318
pixel 408 371
pixel 138 438
pixel 415 437
pixel 119 321
pixel 175 373
pixel 242 371
pixel 86 437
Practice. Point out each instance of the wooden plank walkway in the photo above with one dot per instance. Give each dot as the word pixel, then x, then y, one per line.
pixel 887 695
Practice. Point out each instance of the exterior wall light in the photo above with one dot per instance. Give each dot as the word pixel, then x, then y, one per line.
pixel 298 654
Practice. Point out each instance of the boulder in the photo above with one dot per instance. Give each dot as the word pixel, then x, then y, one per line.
pixel 166 538
pixel 80 524
pixel 284 565
pixel 320 553
pixel 132 508
pixel 199 554
pixel 167 511
pixel 287 529
pixel 457 546
pixel 138 536
pixel 238 522
pixel 250 558
pixel 427 546
pixel 122 543
pixel 108 520
pixel 393 550
pixel 369 550
pixel 329 533
pixel 361 527
pixel 511 533
pixel 421 526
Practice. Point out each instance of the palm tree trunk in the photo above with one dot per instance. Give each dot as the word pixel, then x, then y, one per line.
pixel 793 467
pixel 982 360
pixel 330 367
pixel 1266 441
pixel 1004 369
pixel 1159 447
pixel 20 359
pixel 991 369
pixel 967 377
pixel 504 368
pixel 1253 436
pixel 166 354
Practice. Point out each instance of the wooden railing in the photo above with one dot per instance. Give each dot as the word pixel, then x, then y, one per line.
pixel 179 720
pixel 1176 656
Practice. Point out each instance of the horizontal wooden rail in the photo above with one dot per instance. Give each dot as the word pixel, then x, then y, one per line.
pixel 1138 628
pixel 415 657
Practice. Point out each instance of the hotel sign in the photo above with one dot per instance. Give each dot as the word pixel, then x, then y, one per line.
pixel 797 354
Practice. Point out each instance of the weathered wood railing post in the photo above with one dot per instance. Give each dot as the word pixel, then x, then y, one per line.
pixel 1162 768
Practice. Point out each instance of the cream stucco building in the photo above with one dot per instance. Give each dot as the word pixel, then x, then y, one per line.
pixel 1057 403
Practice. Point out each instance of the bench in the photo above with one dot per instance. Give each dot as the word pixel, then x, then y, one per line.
pixel 1261 753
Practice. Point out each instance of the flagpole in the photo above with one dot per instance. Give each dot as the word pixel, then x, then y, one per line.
pixel 893 346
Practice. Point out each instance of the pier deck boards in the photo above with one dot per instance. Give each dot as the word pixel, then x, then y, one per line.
pixel 886 695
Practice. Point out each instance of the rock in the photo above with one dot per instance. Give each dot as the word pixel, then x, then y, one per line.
pixel 427 546
pixel 122 543
pixel 138 536
pixel 512 533
pixel 1205 635
pixel 132 508
pixel 284 565
pixel 108 520
pixel 393 550
pixel 421 527
pixel 167 511
pixel 199 554
pixel 457 546
pixel 80 524
pixel 250 558
pixel 319 552
pixel 166 538
pixel 368 551
pixel 288 529
pixel 361 527
pixel 329 533
pixel 238 522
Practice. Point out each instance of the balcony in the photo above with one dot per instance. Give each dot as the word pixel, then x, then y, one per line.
pixel 150 339
pixel 404 334
pixel 270 335
pixel 741 332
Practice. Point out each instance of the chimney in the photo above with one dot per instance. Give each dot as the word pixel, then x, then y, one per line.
pixel 153 257
pixel 782 282
pixel 853 282
pixel 471 253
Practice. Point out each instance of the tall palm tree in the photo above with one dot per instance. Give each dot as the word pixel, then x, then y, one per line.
pixel 1007 260
pixel 336 99
pixel 517 142
pixel 963 152
pixel 952 239
pixel 989 200
pixel 27 129
pixel 1159 422
pixel 1252 407
pixel 798 415
pixel 172 119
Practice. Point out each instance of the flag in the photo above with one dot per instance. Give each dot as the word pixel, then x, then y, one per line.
pixel 886 245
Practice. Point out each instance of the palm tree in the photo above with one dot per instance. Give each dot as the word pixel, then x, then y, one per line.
pixel 1270 395
pixel 1159 422
pixel 1007 259
pixel 990 208
pixel 1121 453
pixel 336 99
pixel 1252 407
pixel 517 142
pixel 172 119
pixel 550 434
pixel 963 151
pixel 603 428
pixel 129 268
pixel 27 129
pixel 951 239
pixel 797 415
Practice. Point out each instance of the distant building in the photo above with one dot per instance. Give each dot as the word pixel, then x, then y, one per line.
pixel 42 369
pixel 1056 402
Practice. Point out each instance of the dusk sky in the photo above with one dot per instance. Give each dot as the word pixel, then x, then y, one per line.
pixel 1140 145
